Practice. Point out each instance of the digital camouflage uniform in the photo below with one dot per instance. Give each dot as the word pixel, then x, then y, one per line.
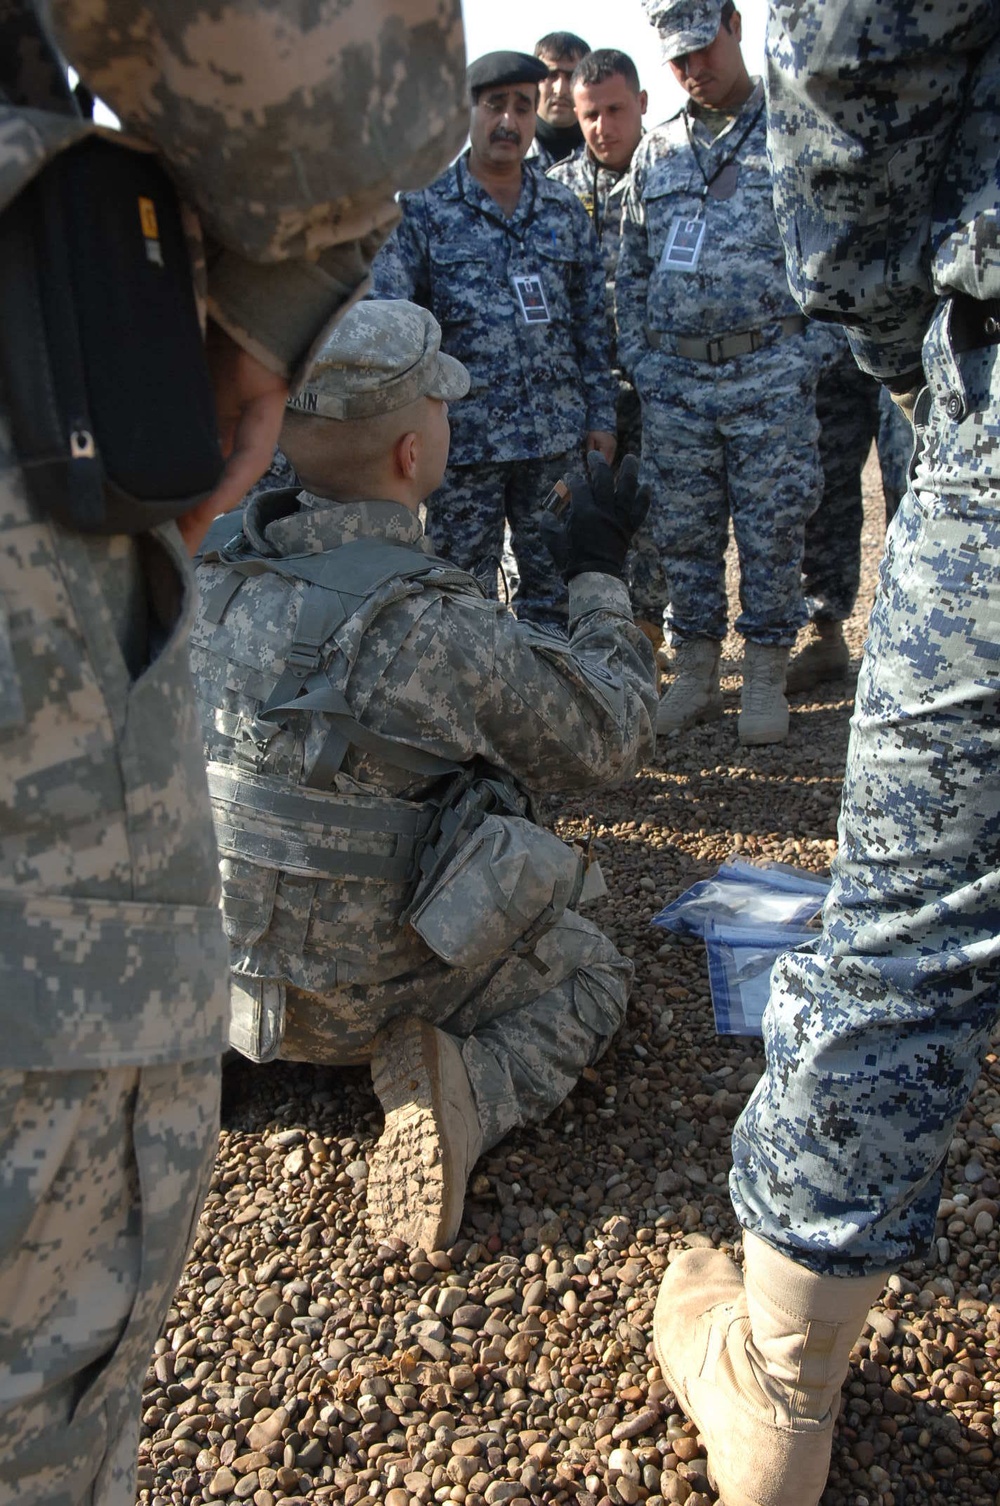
pixel 733 439
pixel 113 1000
pixel 601 191
pixel 853 409
pixel 318 846
pixel 280 473
pixel 537 388
pixel 874 1042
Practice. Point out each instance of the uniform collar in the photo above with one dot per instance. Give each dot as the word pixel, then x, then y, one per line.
pixel 319 525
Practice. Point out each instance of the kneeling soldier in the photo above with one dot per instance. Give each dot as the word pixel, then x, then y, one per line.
pixel 373 726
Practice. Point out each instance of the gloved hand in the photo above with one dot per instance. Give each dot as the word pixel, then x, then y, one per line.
pixel 596 529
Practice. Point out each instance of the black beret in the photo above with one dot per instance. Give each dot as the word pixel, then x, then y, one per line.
pixel 504 68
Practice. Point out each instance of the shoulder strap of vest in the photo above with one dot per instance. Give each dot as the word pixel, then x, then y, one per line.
pixel 339 582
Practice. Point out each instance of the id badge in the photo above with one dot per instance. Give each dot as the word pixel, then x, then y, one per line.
pixel 682 250
pixel 531 297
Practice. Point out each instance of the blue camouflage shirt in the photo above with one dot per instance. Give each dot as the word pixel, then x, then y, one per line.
pixel 538 359
pixel 736 279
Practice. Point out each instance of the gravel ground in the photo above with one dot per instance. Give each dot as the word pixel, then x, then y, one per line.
pixel 302 1361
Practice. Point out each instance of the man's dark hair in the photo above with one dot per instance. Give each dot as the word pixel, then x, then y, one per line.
pixel 727 14
pixel 561 44
pixel 597 67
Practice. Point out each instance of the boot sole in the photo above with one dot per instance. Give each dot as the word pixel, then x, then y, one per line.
pixel 415 1191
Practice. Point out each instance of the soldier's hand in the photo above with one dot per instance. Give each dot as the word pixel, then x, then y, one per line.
pixel 250 408
pixel 604 442
pixel 596 529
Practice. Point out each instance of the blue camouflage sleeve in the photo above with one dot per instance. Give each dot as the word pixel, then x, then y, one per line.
pixel 590 325
pixel 402 267
pixel 863 100
pixel 633 273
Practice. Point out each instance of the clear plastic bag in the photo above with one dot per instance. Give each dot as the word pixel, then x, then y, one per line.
pixel 747 916
pixel 740 892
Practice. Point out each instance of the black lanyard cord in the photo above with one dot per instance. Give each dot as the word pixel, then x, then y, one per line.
pixel 726 161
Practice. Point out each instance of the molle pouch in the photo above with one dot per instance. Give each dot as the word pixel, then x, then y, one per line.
pixel 102 364
pixel 257 1017
pixel 502 890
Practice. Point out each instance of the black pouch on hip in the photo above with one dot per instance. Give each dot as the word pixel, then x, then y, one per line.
pixel 102 364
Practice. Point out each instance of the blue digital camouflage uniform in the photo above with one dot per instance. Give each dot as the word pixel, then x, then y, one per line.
pixel 439 677
pixel 852 411
pixel 875 1041
pixel 113 998
pixel 736 439
pixel 601 191
pixel 538 387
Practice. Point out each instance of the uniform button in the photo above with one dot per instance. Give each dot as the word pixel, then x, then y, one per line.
pixel 953 407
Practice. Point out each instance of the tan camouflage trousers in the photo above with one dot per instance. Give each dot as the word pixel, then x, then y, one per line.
pixel 102 1175
pixel 527 1026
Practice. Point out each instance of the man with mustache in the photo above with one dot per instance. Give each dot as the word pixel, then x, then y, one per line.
pixel 509 265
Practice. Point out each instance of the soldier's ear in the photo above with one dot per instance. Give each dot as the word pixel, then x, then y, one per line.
pixel 407 452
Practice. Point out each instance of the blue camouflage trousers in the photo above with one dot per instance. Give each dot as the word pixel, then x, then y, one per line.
pixel 853 409
pixel 734 441
pixel 875 1040
pixel 646 585
pixel 465 524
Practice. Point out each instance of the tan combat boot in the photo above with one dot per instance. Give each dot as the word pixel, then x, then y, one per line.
pixel 421 1164
pixel 757 1362
pixel 825 657
pixel 694 695
pixel 763 708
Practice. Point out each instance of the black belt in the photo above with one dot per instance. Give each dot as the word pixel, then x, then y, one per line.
pixel 742 342
pixel 975 322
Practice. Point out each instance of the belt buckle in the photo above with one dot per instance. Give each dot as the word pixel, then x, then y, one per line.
pixel 756 339
pixel 714 350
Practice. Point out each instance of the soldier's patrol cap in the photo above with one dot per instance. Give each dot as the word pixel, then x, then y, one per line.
pixel 503 68
pixel 684 25
pixel 382 355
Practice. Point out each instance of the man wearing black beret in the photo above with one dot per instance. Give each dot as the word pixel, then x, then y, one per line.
pixel 509 265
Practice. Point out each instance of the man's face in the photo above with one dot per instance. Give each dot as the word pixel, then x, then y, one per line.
pixel 555 96
pixel 610 116
pixel 713 74
pixel 502 124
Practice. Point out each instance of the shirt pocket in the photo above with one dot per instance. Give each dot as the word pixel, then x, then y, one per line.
pixel 673 191
pixel 466 288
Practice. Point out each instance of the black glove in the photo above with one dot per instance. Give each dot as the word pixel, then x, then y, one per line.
pixel 596 528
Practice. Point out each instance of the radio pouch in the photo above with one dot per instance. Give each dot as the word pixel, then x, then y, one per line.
pixel 102 363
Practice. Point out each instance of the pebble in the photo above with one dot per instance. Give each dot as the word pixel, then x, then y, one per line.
pixel 303 1363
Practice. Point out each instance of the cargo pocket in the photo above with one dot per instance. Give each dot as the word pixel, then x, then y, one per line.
pixel 501 892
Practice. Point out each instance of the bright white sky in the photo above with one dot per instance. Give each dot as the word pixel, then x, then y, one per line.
pixel 603 23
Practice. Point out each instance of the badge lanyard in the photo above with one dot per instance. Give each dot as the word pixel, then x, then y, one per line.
pixel 685 238
pixel 722 183
pixel 528 287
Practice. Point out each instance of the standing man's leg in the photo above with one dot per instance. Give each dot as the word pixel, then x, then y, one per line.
pixel 683 461
pixel 541 591
pixel 847 407
pixel 874 1042
pixel 465 520
pixel 767 412
pixel 647 587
